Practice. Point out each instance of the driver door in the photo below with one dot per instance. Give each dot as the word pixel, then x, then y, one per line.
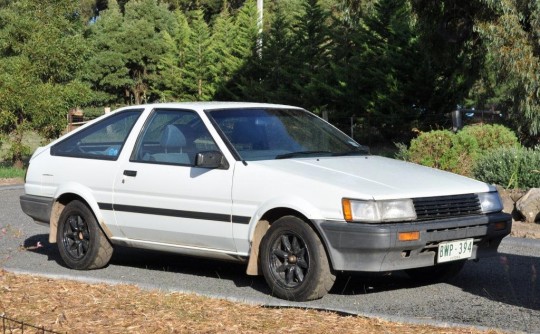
pixel 160 197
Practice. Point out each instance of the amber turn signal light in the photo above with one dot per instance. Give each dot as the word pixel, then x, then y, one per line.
pixel 347 211
pixel 500 226
pixel 409 236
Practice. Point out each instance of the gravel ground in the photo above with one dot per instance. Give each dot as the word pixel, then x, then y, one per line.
pixel 501 292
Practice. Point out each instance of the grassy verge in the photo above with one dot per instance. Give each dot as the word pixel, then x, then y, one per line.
pixel 8 172
pixel 74 307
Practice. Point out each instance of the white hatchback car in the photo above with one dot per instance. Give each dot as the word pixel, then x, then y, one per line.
pixel 273 186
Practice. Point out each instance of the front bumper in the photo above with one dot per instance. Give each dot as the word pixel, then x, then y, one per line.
pixel 375 247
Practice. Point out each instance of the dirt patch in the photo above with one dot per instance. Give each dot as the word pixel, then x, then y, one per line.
pixel 11 182
pixel 525 230
pixel 68 306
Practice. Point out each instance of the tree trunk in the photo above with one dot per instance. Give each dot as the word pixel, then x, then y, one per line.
pixel 19 164
pixel 16 149
pixel 137 95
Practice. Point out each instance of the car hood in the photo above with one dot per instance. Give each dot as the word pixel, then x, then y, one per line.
pixel 376 177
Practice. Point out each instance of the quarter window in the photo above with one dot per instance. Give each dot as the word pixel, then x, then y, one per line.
pixel 102 140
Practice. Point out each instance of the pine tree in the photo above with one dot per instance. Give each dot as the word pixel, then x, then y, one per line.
pixel 197 71
pixel 169 83
pixel 247 31
pixel 390 59
pixel 311 52
pixel 244 83
pixel 225 63
pixel 106 69
pixel 146 24
pixel 278 64
pixel 128 49
pixel 452 49
pixel 349 64
pixel 392 41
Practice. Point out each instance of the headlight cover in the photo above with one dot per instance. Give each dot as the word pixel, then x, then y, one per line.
pixel 378 211
pixel 490 202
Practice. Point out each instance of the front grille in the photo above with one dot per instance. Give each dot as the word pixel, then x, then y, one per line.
pixel 428 208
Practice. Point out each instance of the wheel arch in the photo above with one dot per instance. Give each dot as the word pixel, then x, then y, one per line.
pixel 68 194
pixel 263 224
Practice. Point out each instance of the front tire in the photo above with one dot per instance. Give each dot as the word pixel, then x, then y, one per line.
pixel 81 242
pixel 294 261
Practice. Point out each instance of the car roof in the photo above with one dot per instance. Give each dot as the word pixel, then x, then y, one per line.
pixel 214 105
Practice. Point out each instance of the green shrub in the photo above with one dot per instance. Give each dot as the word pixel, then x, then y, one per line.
pixel 402 152
pixel 466 150
pixel 17 152
pixel 490 136
pixel 444 150
pixel 510 167
pixel 431 148
pixel 457 153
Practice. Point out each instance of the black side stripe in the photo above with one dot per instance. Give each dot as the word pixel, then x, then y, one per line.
pixel 175 213
pixel 241 220
pixel 105 206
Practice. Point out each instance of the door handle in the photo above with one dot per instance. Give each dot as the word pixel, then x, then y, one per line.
pixel 130 173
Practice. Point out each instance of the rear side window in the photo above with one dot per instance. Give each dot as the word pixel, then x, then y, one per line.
pixel 103 140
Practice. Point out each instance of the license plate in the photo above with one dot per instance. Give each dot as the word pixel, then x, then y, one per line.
pixel 455 250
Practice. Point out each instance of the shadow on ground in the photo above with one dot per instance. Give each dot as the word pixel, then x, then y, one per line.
pixel 507 278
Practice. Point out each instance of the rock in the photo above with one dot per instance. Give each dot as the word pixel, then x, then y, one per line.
pixel 516 194
pixel 509 197
pixel 507 201
pixel 529 206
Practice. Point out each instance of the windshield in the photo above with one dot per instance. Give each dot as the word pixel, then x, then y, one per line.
pixel 263 134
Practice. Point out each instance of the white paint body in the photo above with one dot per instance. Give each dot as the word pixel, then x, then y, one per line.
pixel 313 187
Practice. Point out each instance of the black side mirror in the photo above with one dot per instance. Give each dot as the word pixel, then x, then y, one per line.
pixel 211 159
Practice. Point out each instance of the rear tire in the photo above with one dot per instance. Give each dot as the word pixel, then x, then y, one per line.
pixel 294 261
pixel 438 273
pixel 81 242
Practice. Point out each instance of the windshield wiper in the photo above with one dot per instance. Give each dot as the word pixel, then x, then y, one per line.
pixel 353 153
pixel 301 154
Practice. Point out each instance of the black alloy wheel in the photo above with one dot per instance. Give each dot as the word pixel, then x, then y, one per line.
pixel 294 261
pixel 289 261
pixel 81 242
pixel 76 237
